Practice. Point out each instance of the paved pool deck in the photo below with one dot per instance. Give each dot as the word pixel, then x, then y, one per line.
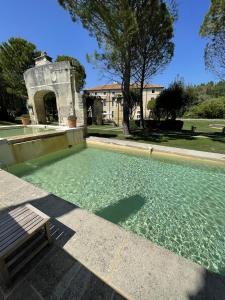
pixel 158 149
pixel 92 258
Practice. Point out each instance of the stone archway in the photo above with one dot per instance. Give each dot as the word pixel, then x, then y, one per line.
pixel 51 109
pixel 40 109
pixel 59 78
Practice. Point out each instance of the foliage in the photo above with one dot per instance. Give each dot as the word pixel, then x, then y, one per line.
pixel 71 118
pixel 151 104
pixel 213 28
pixel 80 74
pixel 115 26
pixel 205 91
pixel 172 102
pixel 209 109
pixel 16 56
pixel 154 41
pixel 134 101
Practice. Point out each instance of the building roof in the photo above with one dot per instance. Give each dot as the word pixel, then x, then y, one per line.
pixel 116 86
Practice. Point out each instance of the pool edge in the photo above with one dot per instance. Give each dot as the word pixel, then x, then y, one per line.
pixel 152 149
pixel 134 266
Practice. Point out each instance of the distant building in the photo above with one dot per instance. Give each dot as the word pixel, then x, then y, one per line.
pixel 111 96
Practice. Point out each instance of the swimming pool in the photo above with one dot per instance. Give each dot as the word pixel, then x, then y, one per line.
pixel 18 131
pixel 178 205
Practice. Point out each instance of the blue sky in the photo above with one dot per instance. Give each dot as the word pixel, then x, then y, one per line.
pixel 50 28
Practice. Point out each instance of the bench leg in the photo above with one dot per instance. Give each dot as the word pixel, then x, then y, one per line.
pixel 47 232
pixel 4 272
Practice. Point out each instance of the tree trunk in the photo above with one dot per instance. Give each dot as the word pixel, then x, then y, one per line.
pixel 126 95
pixel 141 103
pixel 126 125
pixel 142 81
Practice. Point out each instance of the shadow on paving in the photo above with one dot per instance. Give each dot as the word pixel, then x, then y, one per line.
pixel 212 288
pixel 53 273
pixel 57 275
pixel 122 210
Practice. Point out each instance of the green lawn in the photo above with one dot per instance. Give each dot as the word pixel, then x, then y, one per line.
pixel 205 138
pixel 203 125
pixel 4 123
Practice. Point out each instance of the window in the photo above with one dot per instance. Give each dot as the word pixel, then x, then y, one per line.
pixel 112 114
pixel 113 100
pixel 138 116
pixel 96 93
pixel 153 91
pixel 113 93
pixel 104 93
pixel 104 102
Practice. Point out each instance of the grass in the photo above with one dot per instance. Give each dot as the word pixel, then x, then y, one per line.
pixel 203 125
pixel 4 123
pixel 205 138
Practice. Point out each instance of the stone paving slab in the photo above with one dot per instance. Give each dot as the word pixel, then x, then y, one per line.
pixel 157 148
pixel 123 262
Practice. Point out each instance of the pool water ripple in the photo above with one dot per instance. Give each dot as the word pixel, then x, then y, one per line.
pixel 180 206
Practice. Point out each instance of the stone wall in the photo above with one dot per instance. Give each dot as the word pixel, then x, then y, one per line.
pixel 58 78
pixel 13 151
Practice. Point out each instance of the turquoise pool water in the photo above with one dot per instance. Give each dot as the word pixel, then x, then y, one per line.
pixel 22 131
pixel 178 205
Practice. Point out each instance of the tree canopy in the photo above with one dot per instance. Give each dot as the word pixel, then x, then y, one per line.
pixel 16 56
pixel 115 26
pixel 172 102
pixel 213 28
pixel 80 74
pixel 154 42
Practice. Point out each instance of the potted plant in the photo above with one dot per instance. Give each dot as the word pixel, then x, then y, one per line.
pixel 72 121
pixel 25 119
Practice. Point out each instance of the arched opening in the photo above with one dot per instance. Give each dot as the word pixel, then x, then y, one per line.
pixel 51 111
pixel 94 108
pixel 46 107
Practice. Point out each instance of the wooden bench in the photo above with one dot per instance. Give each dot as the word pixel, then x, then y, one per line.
pixel 24 231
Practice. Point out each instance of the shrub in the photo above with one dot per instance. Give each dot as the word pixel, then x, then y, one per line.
pixel 174 125
pixel 209 109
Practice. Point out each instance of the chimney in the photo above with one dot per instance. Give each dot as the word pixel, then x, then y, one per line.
pixel 43 59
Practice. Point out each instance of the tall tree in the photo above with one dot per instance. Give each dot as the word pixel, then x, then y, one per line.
pixel 80 74
pixel 154 41
pixel 113 24
pixel 16 56
pixel 173 101
pixel 116 25
pixel 213 28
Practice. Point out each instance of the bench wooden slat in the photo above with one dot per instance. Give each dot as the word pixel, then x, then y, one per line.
pixel 13 213
pixel 28 258
pixel 21 239
pixel 10 217
pixel 12 222
pixel 25 249
pixel 21 231
pixel 15 226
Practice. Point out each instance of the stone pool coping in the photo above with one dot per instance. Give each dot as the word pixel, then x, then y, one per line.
pixel 133 266
pixel 32 125
pixel 158 149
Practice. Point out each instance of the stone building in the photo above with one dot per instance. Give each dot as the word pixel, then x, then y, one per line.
pixel 112 106
pixel 54 81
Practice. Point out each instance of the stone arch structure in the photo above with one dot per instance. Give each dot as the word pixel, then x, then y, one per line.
pixel 39 105
pixel 59 78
